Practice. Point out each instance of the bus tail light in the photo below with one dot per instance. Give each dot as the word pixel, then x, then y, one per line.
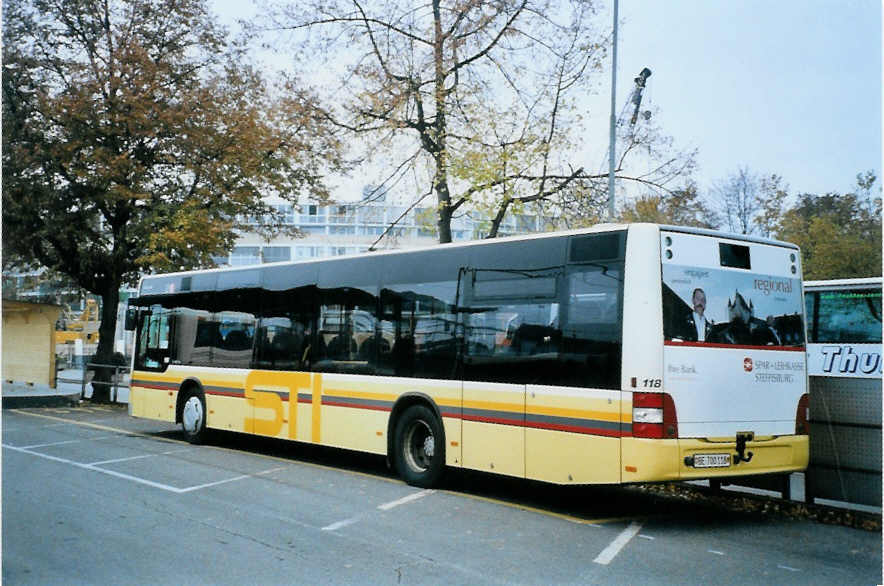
pixel 802 416
pixel 653 416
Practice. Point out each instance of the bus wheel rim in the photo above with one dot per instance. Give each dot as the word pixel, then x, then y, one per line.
pixel 192 417
pixel 420 446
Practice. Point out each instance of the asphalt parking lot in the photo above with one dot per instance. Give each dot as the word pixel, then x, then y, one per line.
pixel 91 495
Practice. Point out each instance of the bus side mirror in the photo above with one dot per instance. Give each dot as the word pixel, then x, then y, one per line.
pixel 131 319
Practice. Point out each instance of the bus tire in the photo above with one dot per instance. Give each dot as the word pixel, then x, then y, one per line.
pixel 193 416
pixel 419 446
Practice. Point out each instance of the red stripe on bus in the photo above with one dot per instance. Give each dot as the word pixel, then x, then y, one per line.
pixel 578 429
pixel 735 346
pixel 227 393
pixel 548 426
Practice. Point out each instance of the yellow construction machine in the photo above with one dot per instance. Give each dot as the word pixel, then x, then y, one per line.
pixel 82 327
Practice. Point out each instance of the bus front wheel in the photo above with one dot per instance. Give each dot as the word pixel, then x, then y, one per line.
pixel 419 447
pixel 193 417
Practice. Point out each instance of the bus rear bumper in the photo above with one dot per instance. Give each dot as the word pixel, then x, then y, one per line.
pixel 647 460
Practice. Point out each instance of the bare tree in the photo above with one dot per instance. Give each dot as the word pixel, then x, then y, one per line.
pixel 478 97
pixel 738 201
pixel 773 193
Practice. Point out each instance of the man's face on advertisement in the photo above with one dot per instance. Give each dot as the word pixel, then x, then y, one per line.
pixel 699 301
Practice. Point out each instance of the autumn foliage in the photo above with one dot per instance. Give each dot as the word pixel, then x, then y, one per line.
pixel 136 135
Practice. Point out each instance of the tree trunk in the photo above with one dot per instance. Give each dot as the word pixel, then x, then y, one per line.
pixel 443 195
pixel 104 355
pixel 498 219
pixel 444 199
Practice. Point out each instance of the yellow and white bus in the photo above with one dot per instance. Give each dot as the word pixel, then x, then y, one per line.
pixel 616 354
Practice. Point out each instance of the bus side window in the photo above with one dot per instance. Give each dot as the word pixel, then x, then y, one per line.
pixel 535 330
pixel 511 324
pixel 417 332
pixel 591 333
pixel 284 338
pixel 347 325
pixel 234 321
pixel 398 320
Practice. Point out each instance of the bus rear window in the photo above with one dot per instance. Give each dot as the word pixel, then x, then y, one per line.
pixel 596 247
pixel 734 256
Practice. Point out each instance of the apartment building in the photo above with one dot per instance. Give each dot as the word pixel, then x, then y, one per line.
pixel 352 228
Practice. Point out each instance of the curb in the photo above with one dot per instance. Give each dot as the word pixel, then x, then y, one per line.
pixel 23 402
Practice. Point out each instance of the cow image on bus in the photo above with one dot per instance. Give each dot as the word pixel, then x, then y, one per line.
pixel 570 358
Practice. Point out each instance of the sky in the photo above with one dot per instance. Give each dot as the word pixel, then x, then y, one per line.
pixel 791 87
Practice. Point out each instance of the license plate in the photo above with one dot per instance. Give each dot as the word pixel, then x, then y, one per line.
pixel 712 460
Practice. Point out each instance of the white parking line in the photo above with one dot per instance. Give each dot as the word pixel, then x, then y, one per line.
pixel 130 458
pixel 219 482
pixel 136 479
pixel 406 499
pixel 610 552
pixel 339 524
pixel 76 441
pixel 384 507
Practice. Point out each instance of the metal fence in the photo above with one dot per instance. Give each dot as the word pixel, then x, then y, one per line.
pixel 116 383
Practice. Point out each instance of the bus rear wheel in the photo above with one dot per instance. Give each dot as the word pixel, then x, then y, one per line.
pixel 419 447
pixel 193 417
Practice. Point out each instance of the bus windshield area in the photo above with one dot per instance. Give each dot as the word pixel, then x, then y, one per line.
pixel 846 316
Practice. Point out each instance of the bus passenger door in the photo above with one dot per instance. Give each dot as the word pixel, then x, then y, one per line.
pixel 153 400
pixel 572 406
pixel 493 432
pixel 508 317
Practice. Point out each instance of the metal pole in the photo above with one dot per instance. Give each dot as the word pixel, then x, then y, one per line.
pixel 83 383
pixel 613 152
pixel 116 378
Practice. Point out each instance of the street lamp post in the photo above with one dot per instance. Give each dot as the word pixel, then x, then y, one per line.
pixel 613 151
